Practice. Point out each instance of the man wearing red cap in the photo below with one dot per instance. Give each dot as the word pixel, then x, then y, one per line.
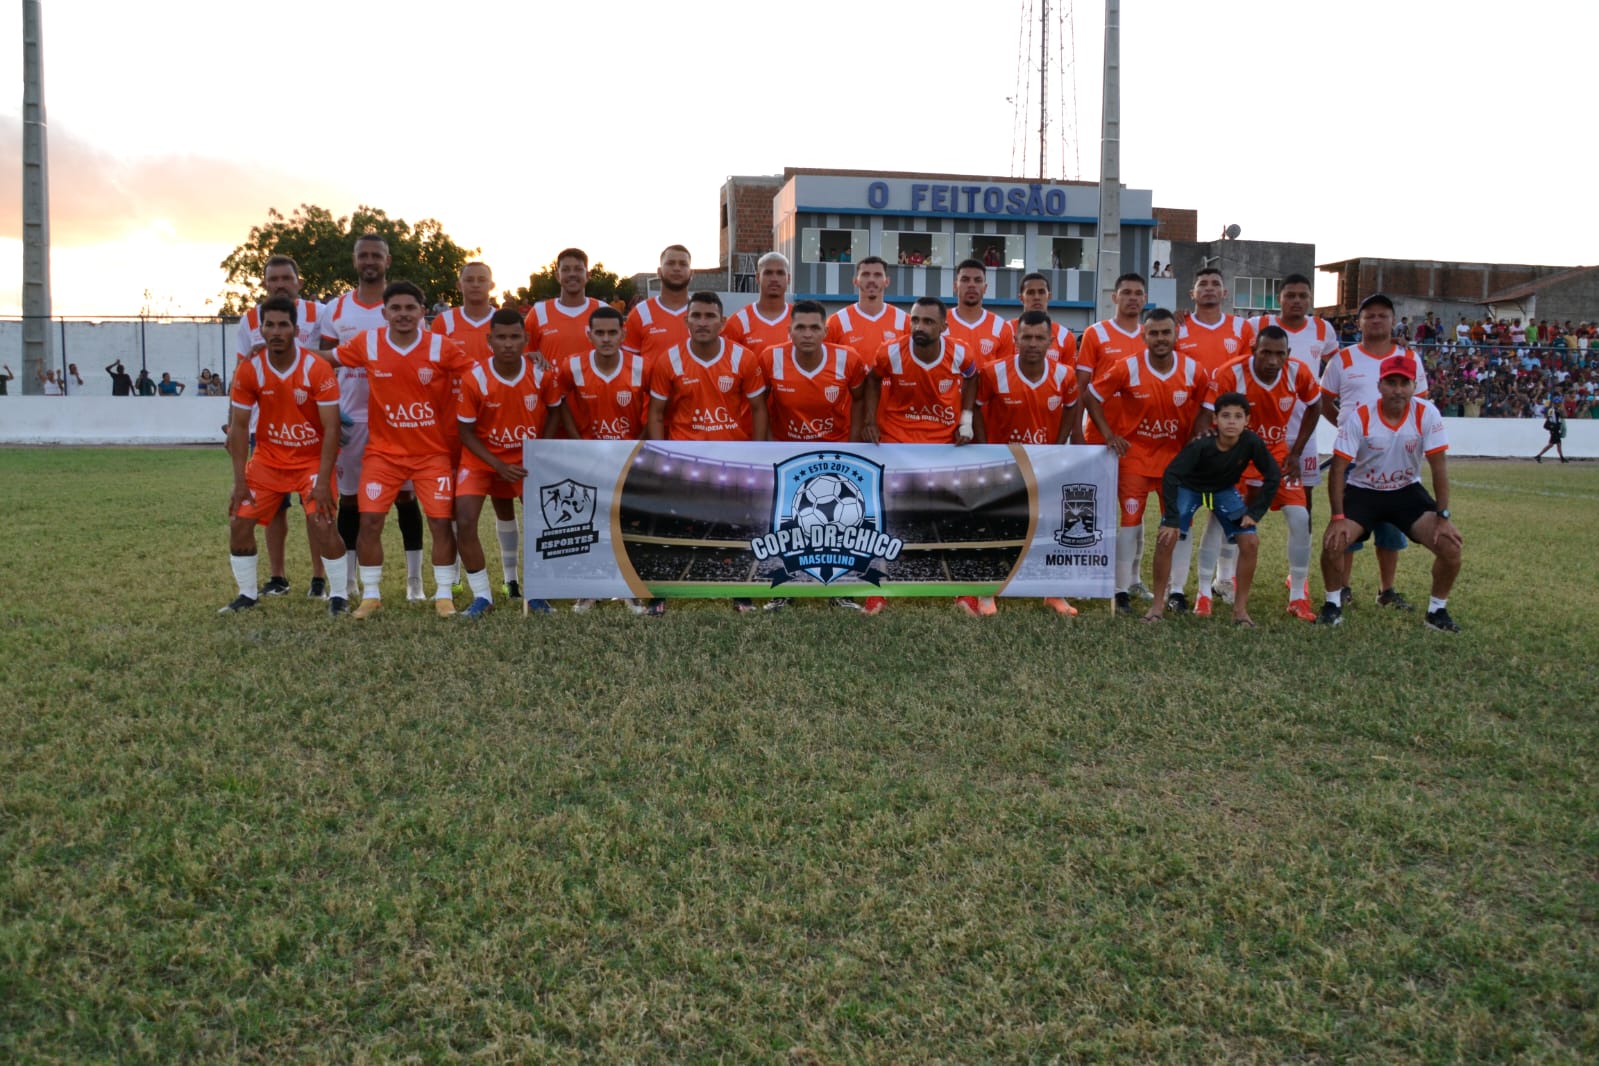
pixel 1376 477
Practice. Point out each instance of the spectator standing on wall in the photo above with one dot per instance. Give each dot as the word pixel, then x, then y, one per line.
pixel 121 383
pixel 168 387
pixel 6 377
pixel 52 387
pixel 144 385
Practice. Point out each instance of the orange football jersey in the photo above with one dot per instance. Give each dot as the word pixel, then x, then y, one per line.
pixel 1214 346
pixel 605 408
pixel 409 388
pixel 1017 410
pixel 920 402
pixel 1104 342
pixel 1271 406
pixel 989 339
pixel 289 433
pixel 1159 408
pixel 749 328
pixel 855 328
pixel 556 331
pixel 816 405
pixel 651 329
pixel 707 400
pixel 506 412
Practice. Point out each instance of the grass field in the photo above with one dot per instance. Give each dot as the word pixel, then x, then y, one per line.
pixel 798 837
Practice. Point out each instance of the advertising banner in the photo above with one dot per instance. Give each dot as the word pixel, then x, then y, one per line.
pixel 686 518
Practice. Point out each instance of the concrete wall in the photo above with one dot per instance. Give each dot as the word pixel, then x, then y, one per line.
pixel 1250 259
pixel 198 420
pixel 181 349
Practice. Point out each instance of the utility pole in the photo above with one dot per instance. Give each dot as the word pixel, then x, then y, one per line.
pixel 1109 261
pixel 1043 95
pixel 35 205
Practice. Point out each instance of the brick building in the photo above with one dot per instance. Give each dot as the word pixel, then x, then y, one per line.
pixel 1468 290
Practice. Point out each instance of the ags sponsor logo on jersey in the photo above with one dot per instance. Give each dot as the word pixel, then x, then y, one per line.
pixel 827 520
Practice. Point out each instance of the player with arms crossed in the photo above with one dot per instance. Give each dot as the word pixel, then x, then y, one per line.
pixel 1277 388
pixel 1207 471
pixel 297 443
pixel 1375 477
pixel 707 389
pixel 504 402
pixel 814 392
pixel 922 393
pixel 407 373
pixel 869 323
pixel 1030 398
pixel 1157 398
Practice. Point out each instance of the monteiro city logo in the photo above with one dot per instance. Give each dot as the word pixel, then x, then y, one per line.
pixel 827 519
pixel 567 508
pixel 1079 523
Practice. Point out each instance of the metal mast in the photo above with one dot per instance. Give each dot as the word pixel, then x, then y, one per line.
pixel 1043 94
pixel 35 204
pixel 1109 261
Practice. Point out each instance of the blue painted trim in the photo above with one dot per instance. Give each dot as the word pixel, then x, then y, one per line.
pixel 906 301
pixel 883 213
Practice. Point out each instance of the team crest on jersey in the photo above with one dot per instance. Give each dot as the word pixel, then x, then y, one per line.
pixel 373 490
pixel 1131 503
pixel 889 335
pixel 300 396
pixel 986 346
pixel 945 384
pixel 1179 397
pixel 827 520
pixel 1079 516
pixel 1231 345
pixel 1053 403
pixel 725 383
pixel 831 393
pixel 567 508
pixel 1285 402
pixel 530 401
pixel 624 397
pixel 424 374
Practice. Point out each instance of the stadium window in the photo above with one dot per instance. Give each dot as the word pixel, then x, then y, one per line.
pixel 1067 253
pixel 908 248
pixel 1255 295
pixel 819 245
pixel 991 249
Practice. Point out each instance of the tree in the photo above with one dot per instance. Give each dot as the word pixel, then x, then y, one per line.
pixel 322 246
pixel 603 285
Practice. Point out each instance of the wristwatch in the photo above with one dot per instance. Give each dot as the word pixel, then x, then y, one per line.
pixel 1443 512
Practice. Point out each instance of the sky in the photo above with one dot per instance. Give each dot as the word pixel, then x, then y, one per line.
pixel 1398 129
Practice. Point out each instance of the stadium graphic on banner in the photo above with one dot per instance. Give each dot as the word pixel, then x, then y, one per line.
pixel 827 519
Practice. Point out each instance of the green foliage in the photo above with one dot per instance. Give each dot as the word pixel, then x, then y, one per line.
pixel 805 836
pixel 603 285
pixel 323 246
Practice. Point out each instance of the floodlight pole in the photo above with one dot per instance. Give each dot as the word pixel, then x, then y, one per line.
pixel 35 205
pixel 1109 259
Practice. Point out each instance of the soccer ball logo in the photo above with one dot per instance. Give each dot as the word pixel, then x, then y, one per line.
pixel 828 500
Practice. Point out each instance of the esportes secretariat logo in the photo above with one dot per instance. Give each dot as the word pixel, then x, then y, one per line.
pixel 567 508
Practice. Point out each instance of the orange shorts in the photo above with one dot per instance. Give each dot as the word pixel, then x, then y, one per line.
pixel 1132 492
pixel 382 479
pixel 471 481
pixel 1287 495
pixel 272 485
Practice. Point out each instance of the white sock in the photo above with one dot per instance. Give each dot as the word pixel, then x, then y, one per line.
pixel 1298 552
pixel 1181 558
pixel 413 569
pixel 1335 599
pixel 337 577
pixel 1209 551
pixel 1435 603
pixel 1138 554
pixel 510 546
pixel 1126 557
pixel 371 582
pixel 1227 562
pixel 244 573
pixel 444 581
pixel 352 567
pixel 478 582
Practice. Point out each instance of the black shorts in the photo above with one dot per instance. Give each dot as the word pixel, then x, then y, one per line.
pixel 1398 507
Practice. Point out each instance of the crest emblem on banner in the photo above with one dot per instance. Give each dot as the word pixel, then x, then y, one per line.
pixel 725 383
pixel 424 374
pixel 1079 516
pixel 624 397
pixel 831 392
pixel 567 508
pixel 373 490
pixel 300 396
pixel 828 520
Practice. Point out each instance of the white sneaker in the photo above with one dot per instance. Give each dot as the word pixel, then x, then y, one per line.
pixel 1138 589
pixel 414 593
pixel 1223 590
pixel 579 606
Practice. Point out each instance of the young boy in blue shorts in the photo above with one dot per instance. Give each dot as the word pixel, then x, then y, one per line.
pixel 1207 473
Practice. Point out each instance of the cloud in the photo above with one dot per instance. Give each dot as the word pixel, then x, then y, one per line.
pixel 97 197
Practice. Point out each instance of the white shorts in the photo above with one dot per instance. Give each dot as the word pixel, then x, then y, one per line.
pixel 348 465
pixel 1310 469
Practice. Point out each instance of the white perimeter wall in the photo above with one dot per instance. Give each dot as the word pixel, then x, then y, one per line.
pixel 198 420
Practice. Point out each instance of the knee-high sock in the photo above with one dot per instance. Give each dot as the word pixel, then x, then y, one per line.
pixel 1227 563
pixel 1129 545
pixel 409 513
pixel 338 574
pixel 1298 552
pixel 510 545
pixel 1209 550
pixel 1181 557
